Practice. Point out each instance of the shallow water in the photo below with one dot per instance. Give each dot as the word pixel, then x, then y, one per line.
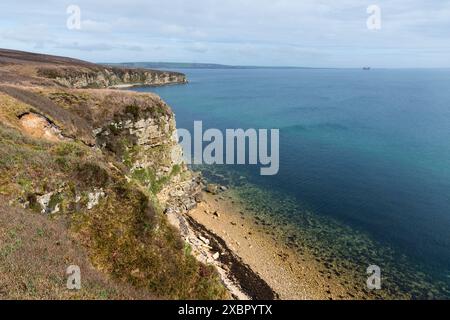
pixel 364 157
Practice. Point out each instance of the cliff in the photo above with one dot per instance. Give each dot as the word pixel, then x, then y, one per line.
pixel 104 77
pixel 94 172
pixel 37 69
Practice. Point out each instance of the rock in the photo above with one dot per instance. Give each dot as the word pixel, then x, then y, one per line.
pixel 49 202
pixel 212 188
pixel 97 131
pixel 56 209
pixel 199 197
pixel 216 256
pixel 94 198
pixel 44 201
pixel 191 204
pixel 206 241
pixel 216 214
pixel 223 188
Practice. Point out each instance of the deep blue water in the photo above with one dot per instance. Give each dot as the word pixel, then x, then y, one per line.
pixel 368 148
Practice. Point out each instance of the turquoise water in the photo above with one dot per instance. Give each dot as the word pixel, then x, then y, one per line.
pixel 368 149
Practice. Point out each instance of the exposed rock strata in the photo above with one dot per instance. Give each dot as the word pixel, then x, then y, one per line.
pixel 109 77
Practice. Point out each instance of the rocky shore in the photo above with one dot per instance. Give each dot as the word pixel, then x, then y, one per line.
pixel 258 244
pixel 239 278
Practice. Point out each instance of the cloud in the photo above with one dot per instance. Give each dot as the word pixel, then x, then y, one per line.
pixel 37 36
pixel 90 47
pixel 307 33
pixel 95 26
pixel 197 47
pixel 173 29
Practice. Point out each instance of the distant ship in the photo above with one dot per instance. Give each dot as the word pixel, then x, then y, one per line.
pixel 366 68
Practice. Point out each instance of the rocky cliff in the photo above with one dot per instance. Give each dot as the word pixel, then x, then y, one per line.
pixel 36 69
pixel 106 165
pixel 104 77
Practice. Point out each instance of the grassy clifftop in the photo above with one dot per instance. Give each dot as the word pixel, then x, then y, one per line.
pixel 31 68
pixel 80 173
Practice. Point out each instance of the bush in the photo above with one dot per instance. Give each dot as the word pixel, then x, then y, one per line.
pixel 92 174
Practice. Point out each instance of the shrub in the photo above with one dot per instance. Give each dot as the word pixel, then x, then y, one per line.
pixel 92 174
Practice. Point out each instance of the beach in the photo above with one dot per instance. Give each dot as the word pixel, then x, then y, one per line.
pixel 291 275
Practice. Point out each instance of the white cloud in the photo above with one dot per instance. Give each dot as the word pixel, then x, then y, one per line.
pixel 307 32
pixel 95 26
pixel 197 47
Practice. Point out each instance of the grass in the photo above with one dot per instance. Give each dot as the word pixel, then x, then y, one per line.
pixel 133 242
pixel 135 252
pixel 147 177
pixel 34 254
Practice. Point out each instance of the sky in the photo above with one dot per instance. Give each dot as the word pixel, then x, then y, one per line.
pixel 308 33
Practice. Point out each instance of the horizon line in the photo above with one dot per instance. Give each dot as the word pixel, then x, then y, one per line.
pixel 230 66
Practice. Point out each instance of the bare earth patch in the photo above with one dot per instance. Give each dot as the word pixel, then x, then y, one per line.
pixel 39 127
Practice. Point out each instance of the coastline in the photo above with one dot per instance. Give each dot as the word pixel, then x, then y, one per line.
pixel 289 275
pixel 240 280
pixel 284 257
pixel 278 252
pixel 125 86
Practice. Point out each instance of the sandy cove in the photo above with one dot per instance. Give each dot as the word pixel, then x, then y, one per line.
pixel 289 274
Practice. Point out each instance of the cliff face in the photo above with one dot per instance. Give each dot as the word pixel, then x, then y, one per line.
pixel 106 164
pixel 109 77
pixel 37 69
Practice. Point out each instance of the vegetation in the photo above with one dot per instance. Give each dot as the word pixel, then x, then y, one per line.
pixel 126 237
pixel 147 177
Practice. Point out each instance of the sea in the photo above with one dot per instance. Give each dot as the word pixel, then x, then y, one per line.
pixel 364 175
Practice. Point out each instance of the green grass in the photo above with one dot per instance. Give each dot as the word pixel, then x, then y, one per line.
pixel 147 178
